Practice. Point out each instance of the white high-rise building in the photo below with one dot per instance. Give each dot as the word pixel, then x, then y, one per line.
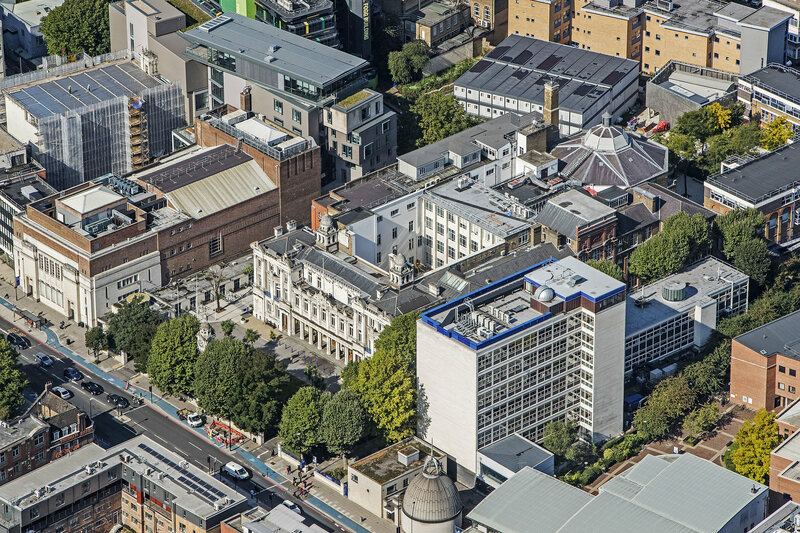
pixel 544 344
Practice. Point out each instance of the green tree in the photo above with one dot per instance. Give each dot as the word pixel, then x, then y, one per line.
pixel 349 374
pixel 173 354
pixel 606 266
pixel 227 327
pixel 580 452
pixel 558 436
pixel 251 336
pixel 755 440
pixel 385 386
pixel 314 377
pixel 439 116
pixel 405 65
pixel 776 134
pixel 343 423
pixel 660 255
pixel 301 418
pixel 670 400
pixel 700 124
pixel 131 330
pixel 693 228
pixel 400 337
pixel 265 387
pixel 217 375
pixel 738 226
pixel 720 116
pixel 752 257
pixel 96 339
pixel 77 26
pixel 701 420
pixel 12 382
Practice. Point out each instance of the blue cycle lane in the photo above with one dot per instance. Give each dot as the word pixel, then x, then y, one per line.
pixel 54 343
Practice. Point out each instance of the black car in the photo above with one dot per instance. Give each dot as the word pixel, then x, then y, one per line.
pixel 92 387
pixel 72 375
pixel 18 341
pixel 119 401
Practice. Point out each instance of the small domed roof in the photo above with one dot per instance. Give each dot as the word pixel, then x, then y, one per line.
pixel 326 221
pixel 544 294
pixel 606 138
pixel 432 496
pixel 398 259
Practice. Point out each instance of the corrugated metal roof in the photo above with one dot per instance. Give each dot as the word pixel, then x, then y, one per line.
pixel 222 190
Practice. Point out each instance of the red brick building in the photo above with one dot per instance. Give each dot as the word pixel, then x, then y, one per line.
pixel 765 363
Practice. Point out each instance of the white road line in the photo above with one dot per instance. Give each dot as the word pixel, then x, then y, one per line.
pixel 194 446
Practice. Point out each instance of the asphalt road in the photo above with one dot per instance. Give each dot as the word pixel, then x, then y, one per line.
pixel 146 420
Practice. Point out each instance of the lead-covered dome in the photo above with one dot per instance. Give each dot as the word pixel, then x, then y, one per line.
pixel 432 496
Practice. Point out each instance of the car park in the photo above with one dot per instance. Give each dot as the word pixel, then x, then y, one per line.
pixel 93 388
pixel 117 400
pixel 235 470
pixel 43 359
pixel 61 392
pixel 72 374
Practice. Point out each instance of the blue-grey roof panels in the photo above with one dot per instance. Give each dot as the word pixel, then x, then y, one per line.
pixel 57 96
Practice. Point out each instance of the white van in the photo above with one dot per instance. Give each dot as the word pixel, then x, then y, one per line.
pixel 236 470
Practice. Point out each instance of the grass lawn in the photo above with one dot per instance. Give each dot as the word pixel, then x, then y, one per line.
pixel 194 15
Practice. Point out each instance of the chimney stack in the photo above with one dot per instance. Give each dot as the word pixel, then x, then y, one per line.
pixel 551 103
pixel 245 99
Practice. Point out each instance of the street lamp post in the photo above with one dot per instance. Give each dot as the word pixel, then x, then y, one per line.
pixel 90 407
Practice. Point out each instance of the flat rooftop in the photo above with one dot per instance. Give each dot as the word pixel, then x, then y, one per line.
pixel 761 178
pixel 515 452
pixel 698 15
pixel 702 282
pixel 791 415
pixel 780 521
pixel 503 308
pixel 480 205
pixel 781 80
pixel 519 67
pixel 492 134
pixel 697 88
pixel 370 191
pixel 275 49
pixel 26 190
pixel 781 336
pixel 383 466
pixel 194 489
pixel 55 96
pixel 89 200
pixel 30 12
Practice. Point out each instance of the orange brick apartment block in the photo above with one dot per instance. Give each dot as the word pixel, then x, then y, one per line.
pixel 708 33
pixel 765 363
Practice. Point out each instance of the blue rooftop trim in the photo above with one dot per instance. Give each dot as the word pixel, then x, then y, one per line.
pixel 579 293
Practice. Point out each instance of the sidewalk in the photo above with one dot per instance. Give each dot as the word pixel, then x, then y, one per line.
pixel 336 507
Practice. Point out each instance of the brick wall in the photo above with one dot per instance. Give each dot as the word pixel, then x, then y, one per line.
pixel 753 376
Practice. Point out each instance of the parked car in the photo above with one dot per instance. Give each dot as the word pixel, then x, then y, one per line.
pixel 72 374
pixel 195 420
pixel 293 506
pixel 43 359
pixel 236 470
pixel 93 388
pixel 61 392
pixel 18 341
pixel 119 401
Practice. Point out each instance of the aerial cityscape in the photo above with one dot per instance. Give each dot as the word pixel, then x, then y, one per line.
pixel 386 266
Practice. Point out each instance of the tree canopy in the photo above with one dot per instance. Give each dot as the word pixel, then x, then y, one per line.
pixel 227 327
pixel 400 337
pixel 439 116
pixel 737 226
pixel 682 240
pixel 343 422
pixel 77 26
pixel 753 444
pixel 301 419
pixel 406 64
pixel 606 266
pixel 701 420
pixel 670 400
pixel 12 382
pixel 131 329
pixel 173 354
pixel 96 339
pixel 776 133
pixel 752 257
pixel 558 436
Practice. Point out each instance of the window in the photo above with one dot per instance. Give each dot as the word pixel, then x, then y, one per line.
pixel 378 241
pixel 782 369
pixel 38 440
pixel 791 389
pixel 15 451
pixel 296 116
pixel 353 477
pixel 278 106
pixel 215 245
pixel 486 13
pixel 781 386
pixel 394 233
pixel 792 372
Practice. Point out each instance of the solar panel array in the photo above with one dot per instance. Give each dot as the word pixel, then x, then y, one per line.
pixel 194 482
pixel 60 95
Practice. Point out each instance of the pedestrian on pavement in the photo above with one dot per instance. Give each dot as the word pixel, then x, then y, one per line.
pixel 288 470
pixel 252 493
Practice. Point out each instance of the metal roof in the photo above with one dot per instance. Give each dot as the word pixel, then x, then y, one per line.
pixel 432 497
pixel 275 49
pixel 781 336
pixel 516 452
pixel 762 178
pixel 527 498
pixel 568 211
pixel 59 95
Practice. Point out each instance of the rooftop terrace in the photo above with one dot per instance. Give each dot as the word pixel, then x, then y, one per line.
pixel 383 466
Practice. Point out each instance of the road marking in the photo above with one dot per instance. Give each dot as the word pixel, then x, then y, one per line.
pixel 194 446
